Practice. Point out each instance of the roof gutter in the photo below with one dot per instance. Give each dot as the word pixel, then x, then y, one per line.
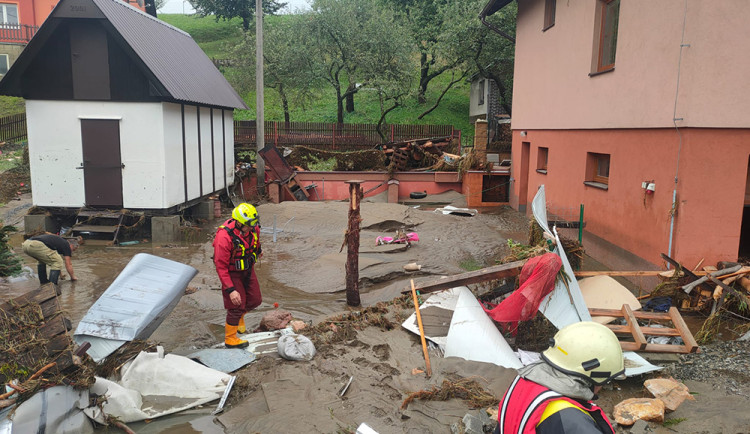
pixel 492 7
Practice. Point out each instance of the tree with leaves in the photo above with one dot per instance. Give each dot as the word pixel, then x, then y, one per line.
pixel 10 263
pixel 228 9
pixel 350 34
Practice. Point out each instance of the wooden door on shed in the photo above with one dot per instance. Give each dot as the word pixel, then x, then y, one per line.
pixel 102 166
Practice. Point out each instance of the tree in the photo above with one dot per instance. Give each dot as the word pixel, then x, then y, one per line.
pixel 291 66
pixel 228 9
pixel 352 35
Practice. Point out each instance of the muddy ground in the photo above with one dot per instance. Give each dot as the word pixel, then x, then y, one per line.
pixel 304 273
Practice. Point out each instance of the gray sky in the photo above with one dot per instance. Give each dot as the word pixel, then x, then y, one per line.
pixel 183 6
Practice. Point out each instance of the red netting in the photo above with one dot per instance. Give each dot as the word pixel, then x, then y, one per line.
pixel 537 280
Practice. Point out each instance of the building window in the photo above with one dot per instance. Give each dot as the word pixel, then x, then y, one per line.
pixel 481 91
pixel 8 14
pixel 608 23
pixel 541 159
pixel 597 170
pixel 549 13
pixel 4 64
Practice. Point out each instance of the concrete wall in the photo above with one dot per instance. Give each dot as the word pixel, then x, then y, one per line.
pixel 553 89
pixel 713 165
pixel 54 130
pixel 13 51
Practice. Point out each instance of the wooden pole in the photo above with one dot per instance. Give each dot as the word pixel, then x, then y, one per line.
pixel 421 329
pixel 352 244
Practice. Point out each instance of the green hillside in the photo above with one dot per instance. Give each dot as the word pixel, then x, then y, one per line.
pixel 218 38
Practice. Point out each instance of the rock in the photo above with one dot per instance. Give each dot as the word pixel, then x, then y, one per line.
pixel 640 427
pixel 190 290
pixel 631 410
pixel 297 325
pixel 274 320
pixel 492 412
pixel 670 391
pixel 472 424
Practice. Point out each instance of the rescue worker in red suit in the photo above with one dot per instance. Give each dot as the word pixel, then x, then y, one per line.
pixel 554 395
pixel 236 249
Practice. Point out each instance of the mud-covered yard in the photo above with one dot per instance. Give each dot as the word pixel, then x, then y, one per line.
pixel 303 272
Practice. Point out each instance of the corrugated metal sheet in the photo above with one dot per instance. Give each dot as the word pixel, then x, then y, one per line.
pixel 172 56
pixel 139 299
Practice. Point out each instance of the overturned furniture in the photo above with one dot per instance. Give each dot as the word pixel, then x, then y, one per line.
pixel 283 173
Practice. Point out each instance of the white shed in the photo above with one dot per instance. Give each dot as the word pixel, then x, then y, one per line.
pixel 123 111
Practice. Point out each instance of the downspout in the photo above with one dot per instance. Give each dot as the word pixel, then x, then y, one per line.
pixel 673 211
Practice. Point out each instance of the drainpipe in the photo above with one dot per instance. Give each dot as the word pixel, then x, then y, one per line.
pixel 679 136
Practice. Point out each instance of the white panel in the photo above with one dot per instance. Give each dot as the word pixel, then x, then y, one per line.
pixel 55 151
pixel 205 152
pixel 218 151
pixel 175 174
pixel 229 137
pixel 191 151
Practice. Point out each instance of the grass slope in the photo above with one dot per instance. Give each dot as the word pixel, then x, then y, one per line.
pixel 217 38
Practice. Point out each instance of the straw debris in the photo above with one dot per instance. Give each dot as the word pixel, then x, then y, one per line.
pixel 467 389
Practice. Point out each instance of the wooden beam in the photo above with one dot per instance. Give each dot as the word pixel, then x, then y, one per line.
pixel 690 344
pixel 638 336
pixel 485 274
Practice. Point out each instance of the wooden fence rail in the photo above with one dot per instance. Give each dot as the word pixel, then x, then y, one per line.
pixel 314 134
pixel 13 128
pixel 335 136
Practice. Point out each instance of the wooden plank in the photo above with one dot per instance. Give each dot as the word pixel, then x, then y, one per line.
pixel 622 273
pixel 666 348
pixel 663 316
pixel 647 331
pixel 109 229
pixel 690 344
pixel 50 307
pixel 485 274
pixel 53 327
pixel 38 296
pixel 634 327
pixel 686 271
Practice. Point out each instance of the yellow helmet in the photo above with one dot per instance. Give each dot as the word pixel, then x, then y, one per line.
pixel 586 349
pixel 246 214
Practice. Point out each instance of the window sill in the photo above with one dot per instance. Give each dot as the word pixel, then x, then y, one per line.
pixel 542 171
pixel 594 74
pixel 598 185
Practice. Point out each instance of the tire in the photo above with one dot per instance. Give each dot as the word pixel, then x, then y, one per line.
pixel 417 195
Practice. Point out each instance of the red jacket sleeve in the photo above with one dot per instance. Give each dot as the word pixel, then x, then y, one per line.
pixel 222 255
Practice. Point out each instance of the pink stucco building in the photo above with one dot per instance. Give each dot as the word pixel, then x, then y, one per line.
pixel 613 95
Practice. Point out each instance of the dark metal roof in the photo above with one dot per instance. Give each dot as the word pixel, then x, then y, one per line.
pixel 494 6
pixel 171 55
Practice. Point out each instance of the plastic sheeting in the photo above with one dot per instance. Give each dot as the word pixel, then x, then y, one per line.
pixel 57 410
pixel 154 385
pixel 557 306
pixel 135 304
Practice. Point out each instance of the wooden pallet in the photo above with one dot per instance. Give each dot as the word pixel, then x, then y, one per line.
pixel 639 333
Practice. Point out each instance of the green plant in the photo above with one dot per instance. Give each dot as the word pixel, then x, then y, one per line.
pixel 470 264
pixel 674 421
pixel 10 262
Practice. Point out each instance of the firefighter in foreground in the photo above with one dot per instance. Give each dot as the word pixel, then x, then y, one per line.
pixel 554 394
pixel 236 249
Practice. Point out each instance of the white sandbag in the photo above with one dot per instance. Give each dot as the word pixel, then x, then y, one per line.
pixel 296 347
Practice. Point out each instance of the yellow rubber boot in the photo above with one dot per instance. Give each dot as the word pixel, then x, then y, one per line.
pixel 230 338
pixel 241 326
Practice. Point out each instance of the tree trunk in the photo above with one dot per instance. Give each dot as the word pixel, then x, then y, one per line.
pixel 352 241
pixel 246 23
pixel 284 102
pixel 350 91
pixel 423 78
pixel 339 106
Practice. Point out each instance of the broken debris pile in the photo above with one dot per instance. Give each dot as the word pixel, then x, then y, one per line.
pixel 35 349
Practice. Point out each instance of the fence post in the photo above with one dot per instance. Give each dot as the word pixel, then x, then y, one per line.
pixel 276 134
pixel 333 138
pixel 393 133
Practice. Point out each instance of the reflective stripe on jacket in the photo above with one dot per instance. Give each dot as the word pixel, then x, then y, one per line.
pixel 524 403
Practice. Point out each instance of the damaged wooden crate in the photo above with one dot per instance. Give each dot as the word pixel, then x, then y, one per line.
pixel 638 333
pixel 35 333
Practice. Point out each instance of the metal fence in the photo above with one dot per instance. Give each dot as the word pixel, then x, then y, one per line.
pixel 20 33
pixel 13 128
pixel 335 136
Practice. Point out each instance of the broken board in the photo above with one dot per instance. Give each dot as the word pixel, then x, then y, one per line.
pixel 638 333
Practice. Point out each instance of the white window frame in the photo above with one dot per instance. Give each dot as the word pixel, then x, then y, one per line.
pixel 4 14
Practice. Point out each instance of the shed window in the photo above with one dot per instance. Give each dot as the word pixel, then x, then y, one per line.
pixel 3 64
pixel 481 92
pixel 608 24
pixel 8 13
pixel 549 14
